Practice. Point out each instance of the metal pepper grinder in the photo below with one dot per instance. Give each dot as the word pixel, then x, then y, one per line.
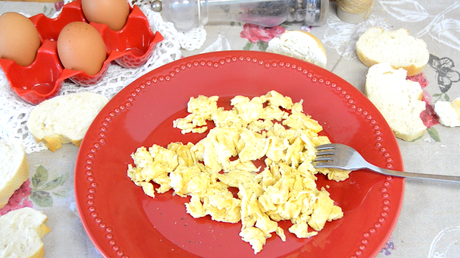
pixel 189 14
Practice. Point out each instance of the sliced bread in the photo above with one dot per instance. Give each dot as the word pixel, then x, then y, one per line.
pixel 398 99
pixel 15 169
pixel 396 47
pixel 301 45
pixel 64 119
pixel 448 112
pixel 21 233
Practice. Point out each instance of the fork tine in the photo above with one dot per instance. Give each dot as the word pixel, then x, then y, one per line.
pixel 322 164
pixel 324 147
pixel 323 159
pixel 325 153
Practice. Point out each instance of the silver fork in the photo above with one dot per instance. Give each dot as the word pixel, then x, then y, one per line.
pixel 341 156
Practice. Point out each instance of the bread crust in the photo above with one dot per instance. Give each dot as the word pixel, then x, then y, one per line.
pixel 40 252
pixel 19 177
pixel 320 44
pixel 369 62
pixel 408 137
pixel 48 133
pixel 290 44
pixel 411 70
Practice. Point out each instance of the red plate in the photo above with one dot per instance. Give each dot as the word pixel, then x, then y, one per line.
pixel 124 222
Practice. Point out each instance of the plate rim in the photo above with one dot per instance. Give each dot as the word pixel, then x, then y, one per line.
pixel 166 73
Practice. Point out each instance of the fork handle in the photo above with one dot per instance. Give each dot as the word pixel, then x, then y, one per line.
pixel 389 172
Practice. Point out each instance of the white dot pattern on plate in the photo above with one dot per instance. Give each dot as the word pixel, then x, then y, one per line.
pixel 353 107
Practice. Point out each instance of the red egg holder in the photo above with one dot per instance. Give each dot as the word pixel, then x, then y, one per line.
pixel 129 47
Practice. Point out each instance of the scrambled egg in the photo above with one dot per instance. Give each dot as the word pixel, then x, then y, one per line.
pixel 270 127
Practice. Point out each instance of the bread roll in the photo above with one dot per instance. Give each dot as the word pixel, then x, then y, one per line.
pixel 21 233
pixel 65 118
pixel 398 99
pixel 14 169
pixel 397 47
pixel 301 45
pixel 448 112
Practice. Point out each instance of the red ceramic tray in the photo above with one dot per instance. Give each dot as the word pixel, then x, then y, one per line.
pixel 124 222
pixel 130 47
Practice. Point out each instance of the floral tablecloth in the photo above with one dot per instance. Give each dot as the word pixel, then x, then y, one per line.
pixel 429 224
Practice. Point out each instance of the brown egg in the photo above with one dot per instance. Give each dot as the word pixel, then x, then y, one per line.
pixel 113 13
pixel 19 39
pixel 81 47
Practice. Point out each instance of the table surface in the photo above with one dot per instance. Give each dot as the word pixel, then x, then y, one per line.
pixel 429 223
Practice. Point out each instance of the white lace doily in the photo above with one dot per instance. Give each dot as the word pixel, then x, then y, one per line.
pixel 193 39
pixel 14 112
